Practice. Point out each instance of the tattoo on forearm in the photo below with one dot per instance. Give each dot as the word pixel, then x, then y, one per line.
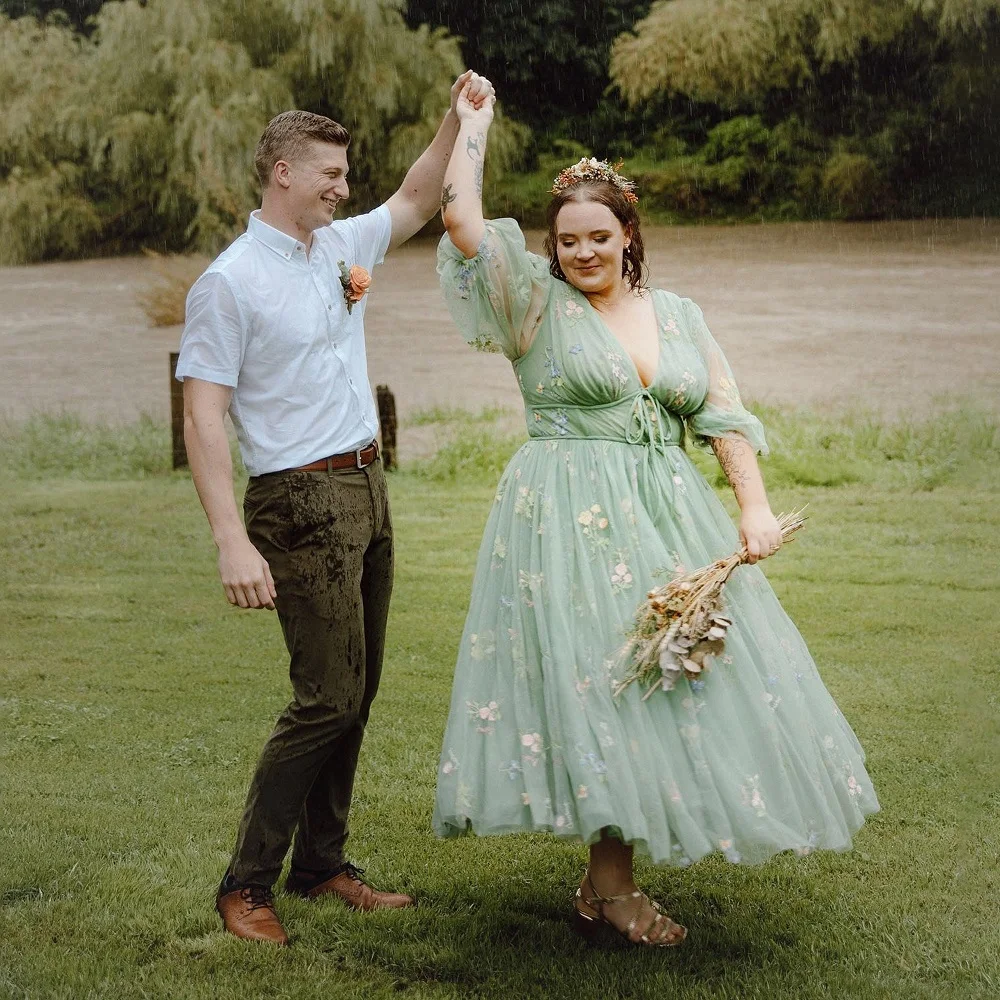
pixel 473 148
pixel 447 197
pixel 479 178
pixel 733 458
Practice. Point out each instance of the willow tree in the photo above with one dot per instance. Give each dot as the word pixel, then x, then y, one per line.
pixel 728 51
pixel 144 132
pixel 908 85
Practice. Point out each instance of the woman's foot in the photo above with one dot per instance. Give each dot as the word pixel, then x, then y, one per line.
pixel 630 912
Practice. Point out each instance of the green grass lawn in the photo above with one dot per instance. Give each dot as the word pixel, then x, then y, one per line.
pixel 133 703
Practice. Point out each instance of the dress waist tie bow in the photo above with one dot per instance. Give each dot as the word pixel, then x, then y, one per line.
pixel 646 427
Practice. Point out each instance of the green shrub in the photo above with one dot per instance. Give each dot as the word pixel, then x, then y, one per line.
pixel 853 185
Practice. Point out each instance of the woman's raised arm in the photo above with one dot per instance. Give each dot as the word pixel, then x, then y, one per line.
pixel 462 194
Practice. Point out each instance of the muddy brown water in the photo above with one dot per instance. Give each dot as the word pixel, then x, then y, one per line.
pixel 892 316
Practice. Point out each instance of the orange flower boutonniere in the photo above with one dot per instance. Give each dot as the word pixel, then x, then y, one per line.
pixel 356 281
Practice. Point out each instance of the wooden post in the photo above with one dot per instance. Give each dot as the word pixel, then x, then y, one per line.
pixel 387 420
pixel 177 416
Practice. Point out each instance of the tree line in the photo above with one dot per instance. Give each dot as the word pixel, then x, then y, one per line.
pixel 126 124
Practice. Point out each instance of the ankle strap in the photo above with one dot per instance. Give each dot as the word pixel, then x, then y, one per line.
pixel 599 900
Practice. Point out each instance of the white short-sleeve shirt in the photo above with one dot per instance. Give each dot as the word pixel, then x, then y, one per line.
pixel 272 323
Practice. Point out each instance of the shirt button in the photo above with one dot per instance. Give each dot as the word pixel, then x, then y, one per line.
pixel 329 305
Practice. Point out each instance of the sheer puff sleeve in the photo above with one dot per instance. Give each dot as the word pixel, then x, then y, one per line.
pixel 496 298
pixel 722 415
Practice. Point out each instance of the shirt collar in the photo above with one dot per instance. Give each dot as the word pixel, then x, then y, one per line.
pixel 281 243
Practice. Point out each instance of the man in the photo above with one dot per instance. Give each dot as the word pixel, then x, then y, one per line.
pixel 274 335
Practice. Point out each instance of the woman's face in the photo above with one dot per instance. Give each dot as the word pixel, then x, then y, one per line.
pixel 590 242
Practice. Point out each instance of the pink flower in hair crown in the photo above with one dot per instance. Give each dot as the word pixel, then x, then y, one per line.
pixel 593 169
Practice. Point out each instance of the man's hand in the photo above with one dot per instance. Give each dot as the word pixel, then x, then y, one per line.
pixel 475 104
pixel 480 89
pixel 246 577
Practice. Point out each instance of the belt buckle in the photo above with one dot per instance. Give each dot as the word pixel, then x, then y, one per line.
pixel 357 458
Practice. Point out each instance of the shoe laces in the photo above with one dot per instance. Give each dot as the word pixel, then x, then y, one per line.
pixel 353 872
pixel 257 897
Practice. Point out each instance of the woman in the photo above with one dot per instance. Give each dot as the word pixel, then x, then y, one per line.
pixel 751 760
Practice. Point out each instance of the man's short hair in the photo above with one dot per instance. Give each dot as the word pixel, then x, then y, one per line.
pixel 287 137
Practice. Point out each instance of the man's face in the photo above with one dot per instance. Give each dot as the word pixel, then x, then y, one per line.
pixel 317 183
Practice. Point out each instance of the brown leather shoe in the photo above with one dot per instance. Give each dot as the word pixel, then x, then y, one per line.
pixel 249 913
pixel 349 886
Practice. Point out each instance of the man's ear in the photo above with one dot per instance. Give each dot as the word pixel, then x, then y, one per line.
pixel 282 174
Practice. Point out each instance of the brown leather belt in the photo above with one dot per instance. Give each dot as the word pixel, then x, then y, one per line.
pixel 349 460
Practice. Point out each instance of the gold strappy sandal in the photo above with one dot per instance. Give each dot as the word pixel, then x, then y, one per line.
pixel 588 926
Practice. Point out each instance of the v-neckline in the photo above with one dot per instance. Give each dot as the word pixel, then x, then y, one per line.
pixel 659 339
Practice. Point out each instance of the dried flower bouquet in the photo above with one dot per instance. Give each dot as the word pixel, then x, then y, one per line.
pixel 683 622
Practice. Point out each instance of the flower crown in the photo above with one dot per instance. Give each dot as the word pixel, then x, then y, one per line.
pixel 593 169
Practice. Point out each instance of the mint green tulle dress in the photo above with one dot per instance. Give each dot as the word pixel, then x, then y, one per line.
pixel 752 759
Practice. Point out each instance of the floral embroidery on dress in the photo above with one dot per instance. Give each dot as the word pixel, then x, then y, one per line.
pixel 524 505
pixel 533 748
pixel 595 527
pixel 730 391
pixel 618 373
pixel 512 768
pixel 576 349
pixel 732 855
pixel 573 311
pixel 529 583
pixel 499 552
pixel 621 577
pixel 486 344
pixel 678 395
pixel 670 325
pixel 466 278
pixel 560 422
pixel 750 792
pixel 484 715
pixel 591 761
pixel 555 372
pixel 482 645
pixel 450 766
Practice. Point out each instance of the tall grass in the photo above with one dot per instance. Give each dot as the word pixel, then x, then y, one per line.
pixel 164 295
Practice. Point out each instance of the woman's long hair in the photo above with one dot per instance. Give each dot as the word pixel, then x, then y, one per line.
pixel 604 193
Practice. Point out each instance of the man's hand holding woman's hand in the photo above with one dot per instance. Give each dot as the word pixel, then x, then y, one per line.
pixel 246 577
pixel 473 97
